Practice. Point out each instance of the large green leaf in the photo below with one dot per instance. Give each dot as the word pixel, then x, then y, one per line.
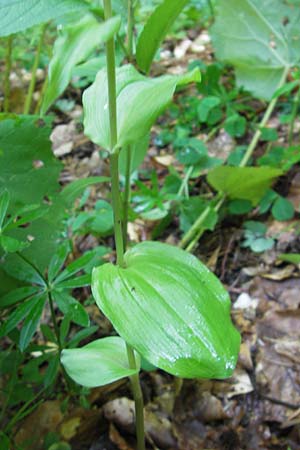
pixel 73 46
pixel 155 30
pixel 140 100
pixel 261 38
pixel 18 15
pixel 248 183
pixel 168 306
pixel 99 363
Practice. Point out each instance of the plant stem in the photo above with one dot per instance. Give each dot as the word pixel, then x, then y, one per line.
pixel 54 321
pixel 138 400
pixel 266 117
pixel 191 238
pixel 114 162
pixel 35 66
pixel 295 108
pixel 211 7
pixel 8 63
pixel 130 26
pixel 127 193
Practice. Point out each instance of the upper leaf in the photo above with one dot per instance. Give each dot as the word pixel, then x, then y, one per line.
pixel 140 100
pixel 72 47
pixel 261 39
pixel 98 363
pixel 18 15
pixel 249 183
pixel 168 306
pixel 155 30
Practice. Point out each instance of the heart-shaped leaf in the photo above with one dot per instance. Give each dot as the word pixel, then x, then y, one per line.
pixel 98 363
pixel 168 306
pixel 140 100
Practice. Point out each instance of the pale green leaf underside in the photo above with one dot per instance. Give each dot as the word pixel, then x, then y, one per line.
pixel 155 30
pixel 99 363
pixel 140 100
pixel 18 15
pixel 169 307
pixel 248 183
pixel 72 47
pixel 261 38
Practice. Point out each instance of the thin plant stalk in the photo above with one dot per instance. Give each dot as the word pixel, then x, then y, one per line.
pixel 8 64
pixel 54 321
pixel 127 194
pixel 295 108
pixel 191 238
pixel 211 8
pixel 111 77
pixel 130 27
pixel 35 66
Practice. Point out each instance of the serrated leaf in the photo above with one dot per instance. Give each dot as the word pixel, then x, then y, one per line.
pixel 30 323
pixel 18 15
pixel 140 100
pixel 248 183
pixel 99 363
pixel 260 39
pixel 168 306
pixel 73 46
pixel 155 30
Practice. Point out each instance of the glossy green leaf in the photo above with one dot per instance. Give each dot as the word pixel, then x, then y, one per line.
pixel 168 306
pixel 72 283
pixel 71 308
pixel 31 322
pixel 18 15
pixel 16 295
pixel 140 100
pixel 248 183
pixel 261 38
pixel 58 260
pixel 156 28
pixel 4 202
pixel 73 46
pixel 19 314
pixel 99 363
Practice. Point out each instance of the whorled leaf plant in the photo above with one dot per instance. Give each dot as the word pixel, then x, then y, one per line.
pixel 163 302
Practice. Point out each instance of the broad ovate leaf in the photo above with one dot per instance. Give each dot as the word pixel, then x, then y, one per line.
pixel 140 100
pixel 248 183
pixel 170 308
pixel 72 47
pixel 18 15
pixel 99 363
pixel 260 38
pixel 155 30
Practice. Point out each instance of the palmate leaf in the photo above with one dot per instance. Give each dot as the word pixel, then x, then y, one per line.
pixel 72 47
pixel 155 30
pixel 18 15
pixel 140 100
pixel 248 183
pixel 169 307
pixel 261 38
pixel 99 363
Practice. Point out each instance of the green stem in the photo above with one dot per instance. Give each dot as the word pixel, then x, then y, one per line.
pixel 127 193
pixel 211 7
pixel 54 321
pixel 295 108
pixel 266 117
pixel 8 64
pixel 138 400
pixel 130 27
pixel 114 160
pixel 191 238
pixel 35 66
pixel 37 109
